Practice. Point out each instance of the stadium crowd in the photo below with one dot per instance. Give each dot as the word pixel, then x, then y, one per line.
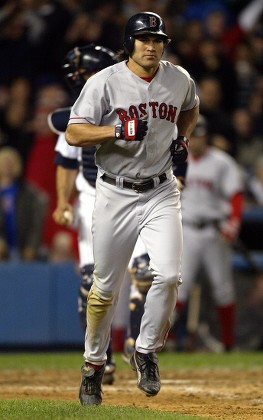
pixel 220 43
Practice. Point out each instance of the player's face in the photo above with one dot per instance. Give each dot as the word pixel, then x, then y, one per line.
pixel 148 50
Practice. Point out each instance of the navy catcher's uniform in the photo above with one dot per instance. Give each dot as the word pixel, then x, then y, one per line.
pixel 76 166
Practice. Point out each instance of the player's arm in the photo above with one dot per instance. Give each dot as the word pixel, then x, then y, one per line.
pixel 66 174
pixel 89 135
pixel 187 121
pixel 231 226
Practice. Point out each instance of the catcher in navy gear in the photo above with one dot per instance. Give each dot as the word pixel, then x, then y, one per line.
pixel 76 173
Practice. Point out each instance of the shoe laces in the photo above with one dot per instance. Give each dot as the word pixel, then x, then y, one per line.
pixel 150 368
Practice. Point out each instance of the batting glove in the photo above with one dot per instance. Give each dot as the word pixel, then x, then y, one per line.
pixel 179 149
pixel 131 130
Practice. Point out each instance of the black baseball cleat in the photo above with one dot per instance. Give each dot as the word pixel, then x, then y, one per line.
pixel 90 386
pixel 108 377
pixel 148 379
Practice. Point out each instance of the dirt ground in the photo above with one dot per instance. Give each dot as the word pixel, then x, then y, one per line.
pixel 218 394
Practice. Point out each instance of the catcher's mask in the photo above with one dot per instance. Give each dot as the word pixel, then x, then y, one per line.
pixel 82 61
pixel 140 24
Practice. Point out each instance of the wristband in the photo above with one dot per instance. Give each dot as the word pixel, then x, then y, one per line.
pixel 118 131
pixel 185 139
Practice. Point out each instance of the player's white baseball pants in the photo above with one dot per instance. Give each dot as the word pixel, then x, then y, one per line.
pixel 119 216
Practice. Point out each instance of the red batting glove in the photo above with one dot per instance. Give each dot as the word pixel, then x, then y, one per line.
pixel 133 129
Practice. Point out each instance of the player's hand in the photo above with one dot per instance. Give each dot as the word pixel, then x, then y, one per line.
pixel 230 229
pixel 180 183
pixel 179 149
pixel 63 215
pixel 134 129
pixel 180 170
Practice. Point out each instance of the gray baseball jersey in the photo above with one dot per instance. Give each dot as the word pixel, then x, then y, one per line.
pixel 104 99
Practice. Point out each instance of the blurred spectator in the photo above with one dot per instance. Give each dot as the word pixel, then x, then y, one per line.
pixel 256 44
pixel 22 210
pixel 249 144
pixel 210 93
pixel 113 21
pixel 16 50
pixel 255 107
pixel 131 7
pixel 186 42
pixel 254 184
pixel 212 62
pixel 15 115
pixel 228 28
pixel 40 169
pixel 245 73
pixel 84 29
pixel 47 22
pixel 103 25
pixel 62 248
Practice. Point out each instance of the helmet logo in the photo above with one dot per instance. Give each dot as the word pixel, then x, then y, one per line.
pixel 152 21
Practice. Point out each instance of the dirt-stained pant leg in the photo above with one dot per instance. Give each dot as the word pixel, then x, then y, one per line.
pixel 115 230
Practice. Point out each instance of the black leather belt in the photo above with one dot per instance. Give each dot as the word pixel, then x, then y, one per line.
pixel 136 186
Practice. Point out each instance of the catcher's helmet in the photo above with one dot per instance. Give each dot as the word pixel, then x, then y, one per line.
pixel 90 58
pixel 143 23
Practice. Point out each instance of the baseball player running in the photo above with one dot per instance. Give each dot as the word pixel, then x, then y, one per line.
pixel 211 206
pixel 129 111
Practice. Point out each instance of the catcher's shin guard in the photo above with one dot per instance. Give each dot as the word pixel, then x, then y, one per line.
pixel 85 284
pixel 141 273
pixel 136 313
pixel 142 277
pixel 137 302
